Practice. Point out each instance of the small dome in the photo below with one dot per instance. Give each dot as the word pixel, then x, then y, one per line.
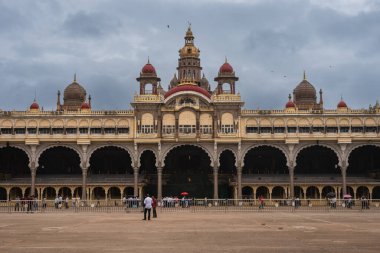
pixel 290 104
pixel 85 105
pixel 74 91
pixel 148 69
pixel 174 81
pixel 34 106
pixel 226 68
pixel 342 104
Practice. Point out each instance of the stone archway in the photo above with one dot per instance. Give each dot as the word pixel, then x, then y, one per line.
pixel 226 173
pixel 59 160
pixel 13 163
pixel 187 169
pixel 148 171
pixel 3 194
pixel 110 160
pixel 364 161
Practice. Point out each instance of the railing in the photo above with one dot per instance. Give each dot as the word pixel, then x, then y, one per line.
pixel 194 205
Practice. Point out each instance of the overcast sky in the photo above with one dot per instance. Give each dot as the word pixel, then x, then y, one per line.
pixel 268 43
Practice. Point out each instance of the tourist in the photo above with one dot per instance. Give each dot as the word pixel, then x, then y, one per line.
pixel 73 202
pixel 261 199
pixel 17 205
pixel 154 206
pixel 67 202
pixel 44 202
pixel 147 206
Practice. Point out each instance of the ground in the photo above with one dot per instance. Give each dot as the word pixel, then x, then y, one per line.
pixel 190 232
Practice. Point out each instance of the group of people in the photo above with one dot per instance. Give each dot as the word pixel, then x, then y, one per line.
pixel 149 204
pixel 26 204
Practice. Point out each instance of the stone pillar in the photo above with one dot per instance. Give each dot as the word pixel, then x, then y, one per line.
pixel 33 184
pixel 159 183
pixel 291 181
pixel 84 184
pixel 135 181
pixel 239 172
pixel 215 170
pixel 344 183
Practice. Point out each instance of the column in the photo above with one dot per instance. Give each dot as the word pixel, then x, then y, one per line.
pixel 84 184
pixel 135 181
pixel 344 183
pixel 215 170
pixel 159 183
pixel 33 184
pixel 291 179
pixel 239 172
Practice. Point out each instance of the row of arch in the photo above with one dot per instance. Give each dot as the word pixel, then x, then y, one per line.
pixel 310 192
pixel 58 123
pixel 311 122
pixel 258 156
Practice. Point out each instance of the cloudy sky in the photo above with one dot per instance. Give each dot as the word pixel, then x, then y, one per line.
pixel 269 43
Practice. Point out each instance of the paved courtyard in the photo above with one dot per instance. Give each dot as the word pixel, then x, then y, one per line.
pixel 190 232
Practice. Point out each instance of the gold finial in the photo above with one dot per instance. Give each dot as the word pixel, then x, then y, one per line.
pixel 75 77
pixel 148 60
pixel 290 97
pixel 304 75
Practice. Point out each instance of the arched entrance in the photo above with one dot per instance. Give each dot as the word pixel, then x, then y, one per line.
pixel 312 192
pixel 3 193
pixel 227 170
pixel 376 192
pixel 110 160
pixel 61 161
pixel 49 193
pixel 77 192
pixel 278 192
pixel 362 191
pixel 28 193
pixel 128 192
pixel 298 192
pixel 98 193
pixel 265 160
pixel 247 192
pixel 114 193
pixel 65 192
pixel 187 169
pixel 262 191
pixel 326 190
pixel 15 192
pixel 364 162
pixel 317 161
pixel 13 163
pixel 148 171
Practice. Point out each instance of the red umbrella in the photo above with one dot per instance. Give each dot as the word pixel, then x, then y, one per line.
pixel 184 193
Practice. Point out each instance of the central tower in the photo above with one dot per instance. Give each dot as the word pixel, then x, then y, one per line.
pixel 189 63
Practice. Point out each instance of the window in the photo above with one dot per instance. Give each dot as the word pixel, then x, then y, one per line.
pixel 205 129
pixel 57 130
pixel 71 130
pixel 265 130
pixel 279 130
pixel 187 129
pixel 331 129
pixel 96 130
pixel 123 130
pixel 19 130
pixel 371 129
pixel 146 129
pixel 304 129
pixel 44 130
pixel 357 129
pixel 228 129
pixel 168 129
pixel 83 130
pixel 32 130
pixel 318 129
pixel 251 130
pixel 344 129
pixel 6 131
pixel 292 129
pixel 109 130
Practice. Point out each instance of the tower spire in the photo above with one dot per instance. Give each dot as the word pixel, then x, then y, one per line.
pixel 304 75
pixel 75 77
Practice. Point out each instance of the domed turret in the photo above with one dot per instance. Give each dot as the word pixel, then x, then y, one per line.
pixel 148 79
pixel 34 105
pixel 341 104
pixel 305 96
pixel 204 83
pixel 174 82
pixel 290 103
pixel 226 68
pixel 73 96
pixel 148 69
pixel 226 75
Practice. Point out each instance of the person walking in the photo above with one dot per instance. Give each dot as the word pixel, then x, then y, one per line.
pixel 261 199
pixel 154 205
pixel 147 206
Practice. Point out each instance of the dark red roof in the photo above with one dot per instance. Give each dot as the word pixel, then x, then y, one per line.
pixel 85 106
pixel 342 104
pixel 290 104
pixel 34 105
pixel 187 88
pixel 226 68
pixel 148 68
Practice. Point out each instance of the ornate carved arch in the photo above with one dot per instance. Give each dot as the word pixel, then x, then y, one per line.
pixel 301 147
pixel 233 152
pixel 142 150
pixel 45 147
pixel 170 148
pixel 276 146
pixel 92 149
pixel 352 147
pixel 24 148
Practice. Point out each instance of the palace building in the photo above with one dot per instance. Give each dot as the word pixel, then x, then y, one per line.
pixel 192 135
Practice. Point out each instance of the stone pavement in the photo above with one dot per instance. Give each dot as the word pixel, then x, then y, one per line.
pixel 190 232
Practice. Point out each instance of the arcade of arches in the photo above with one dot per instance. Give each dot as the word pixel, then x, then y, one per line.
pixel 265 171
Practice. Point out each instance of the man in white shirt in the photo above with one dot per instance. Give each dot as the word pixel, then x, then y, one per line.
pixel 147 206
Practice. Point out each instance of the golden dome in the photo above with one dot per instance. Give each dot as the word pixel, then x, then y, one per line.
pixel 189 51
pixel 74 95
